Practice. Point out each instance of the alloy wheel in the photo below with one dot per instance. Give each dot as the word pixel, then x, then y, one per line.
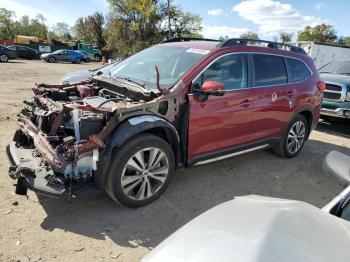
pixel 145 173
pixel 296 137
pixel 4 58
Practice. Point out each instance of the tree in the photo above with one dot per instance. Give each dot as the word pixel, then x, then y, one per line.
pixel 182 24
pixel 90 29
pixel 250 35
pixel 62 29
pixel 322 33
pixel 286 37
pixel 344 41
pixel 6 24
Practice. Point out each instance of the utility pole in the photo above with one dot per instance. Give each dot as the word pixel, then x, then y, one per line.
pixel 169 19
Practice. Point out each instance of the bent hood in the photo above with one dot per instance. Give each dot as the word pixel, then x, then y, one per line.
pixel 258 229
pixel 76 76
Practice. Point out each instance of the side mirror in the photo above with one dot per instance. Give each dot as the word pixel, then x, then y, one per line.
pixel 212 88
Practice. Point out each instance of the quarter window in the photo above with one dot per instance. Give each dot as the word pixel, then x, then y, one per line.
pixel 269 70
pixel 299 70
pixel 230 70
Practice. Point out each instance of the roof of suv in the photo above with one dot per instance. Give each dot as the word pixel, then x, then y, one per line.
pixel 206 45
pixel 209 44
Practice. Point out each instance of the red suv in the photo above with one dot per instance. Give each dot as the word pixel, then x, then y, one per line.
pixel 180 103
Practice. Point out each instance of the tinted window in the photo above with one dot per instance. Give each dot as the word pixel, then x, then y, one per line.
pixel 230 70
pixel 269 70
pixel 299 70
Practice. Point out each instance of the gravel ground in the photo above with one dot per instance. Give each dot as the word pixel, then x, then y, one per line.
pixel 91 227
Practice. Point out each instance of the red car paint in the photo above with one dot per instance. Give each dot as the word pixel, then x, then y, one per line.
pixel 246 115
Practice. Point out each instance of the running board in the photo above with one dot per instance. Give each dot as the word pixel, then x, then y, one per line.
pixel 231 155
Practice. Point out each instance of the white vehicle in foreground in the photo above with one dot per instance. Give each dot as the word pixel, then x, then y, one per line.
pixel 264 229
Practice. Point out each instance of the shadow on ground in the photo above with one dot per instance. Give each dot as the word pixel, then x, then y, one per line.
pixel 338 127
pixel 192 192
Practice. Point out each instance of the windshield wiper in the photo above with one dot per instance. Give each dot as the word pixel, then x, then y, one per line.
pixel 326 73
pixel 344 74
pixel 130 80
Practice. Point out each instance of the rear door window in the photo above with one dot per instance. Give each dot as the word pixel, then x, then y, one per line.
pixel 298 69
pixel 269 70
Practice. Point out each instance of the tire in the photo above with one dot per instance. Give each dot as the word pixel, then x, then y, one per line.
pixel 98 58
pixel 291 145
pixel 77 61
pixel 125 159
pixel 4 58
pixel 87 60
pixel 51 59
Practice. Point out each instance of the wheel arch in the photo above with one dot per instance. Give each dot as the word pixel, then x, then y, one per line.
pixel 305 112
pixel 130 128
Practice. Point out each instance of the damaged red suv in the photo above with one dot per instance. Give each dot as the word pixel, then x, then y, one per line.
pixel 180 103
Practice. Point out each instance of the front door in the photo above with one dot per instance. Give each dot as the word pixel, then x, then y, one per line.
pixel 221 122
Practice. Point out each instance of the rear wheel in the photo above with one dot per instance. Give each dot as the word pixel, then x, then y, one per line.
pixel 98 58
pixel 294 138
pixel 141 170
pixel 4 58
pixel 52 59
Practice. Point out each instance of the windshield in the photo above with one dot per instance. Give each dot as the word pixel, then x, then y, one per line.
pixel 172 63
pixel 337 67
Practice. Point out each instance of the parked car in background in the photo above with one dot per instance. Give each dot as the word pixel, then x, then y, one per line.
pixel 78 76
pixel 25 52
pixel 88 57
pixel 6 54
pixel 63 55
pixel 266 229
pixel 336 102
pixel 180 103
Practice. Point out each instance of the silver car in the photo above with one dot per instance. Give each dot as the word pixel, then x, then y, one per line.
pixel 264 229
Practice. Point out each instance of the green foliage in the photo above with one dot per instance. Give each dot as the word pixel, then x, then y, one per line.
pixel 133 25
pixel 7 25
pixel 286 37
pixel 250 35
pixel 344 41
pixel 90 29
pixel 322 33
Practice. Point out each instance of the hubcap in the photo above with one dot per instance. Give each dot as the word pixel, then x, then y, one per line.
pixel 296 137
pixel 145 173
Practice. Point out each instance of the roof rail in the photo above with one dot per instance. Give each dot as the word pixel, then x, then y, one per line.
pixel 187 39
pixel 270 44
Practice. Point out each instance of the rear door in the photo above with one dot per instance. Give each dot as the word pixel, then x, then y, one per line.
pixel 273 95
pixel 221 122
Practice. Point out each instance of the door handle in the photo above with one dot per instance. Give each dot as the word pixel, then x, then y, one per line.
pixel 291 92
pixel 245 103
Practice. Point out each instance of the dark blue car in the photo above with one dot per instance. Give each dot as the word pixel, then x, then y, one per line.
pixel 63 55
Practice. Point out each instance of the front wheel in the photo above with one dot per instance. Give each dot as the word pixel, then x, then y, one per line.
pixel 4 58
pixel 294 138
pixel 141 170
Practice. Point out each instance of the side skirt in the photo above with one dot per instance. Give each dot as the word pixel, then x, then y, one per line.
pixel 231 152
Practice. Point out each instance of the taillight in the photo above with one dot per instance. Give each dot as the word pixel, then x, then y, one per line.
pixel 321 85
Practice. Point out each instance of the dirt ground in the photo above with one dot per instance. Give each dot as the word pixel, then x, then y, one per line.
pixel 91 227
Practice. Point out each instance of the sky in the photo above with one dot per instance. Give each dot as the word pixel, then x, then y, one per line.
pixel 267 18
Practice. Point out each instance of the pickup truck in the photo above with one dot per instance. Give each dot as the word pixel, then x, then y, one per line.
pixel 336 102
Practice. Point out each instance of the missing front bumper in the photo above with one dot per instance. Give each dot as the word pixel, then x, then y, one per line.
pixel 30 172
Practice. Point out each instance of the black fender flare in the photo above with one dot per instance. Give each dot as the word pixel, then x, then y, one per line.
pixel 128 129
pixel 139 124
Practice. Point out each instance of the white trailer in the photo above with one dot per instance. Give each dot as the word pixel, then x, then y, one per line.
pixel 323 54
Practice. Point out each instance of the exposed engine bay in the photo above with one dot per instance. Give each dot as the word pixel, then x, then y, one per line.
pixel 63 129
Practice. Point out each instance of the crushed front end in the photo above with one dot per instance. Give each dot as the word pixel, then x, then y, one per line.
pixel 63 129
